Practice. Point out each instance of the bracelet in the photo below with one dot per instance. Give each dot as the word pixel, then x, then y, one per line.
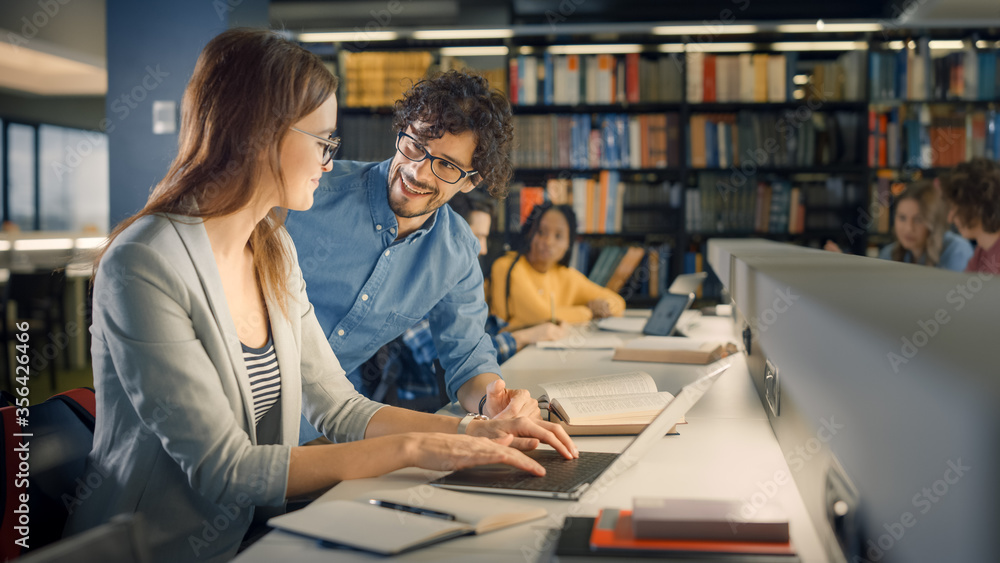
pixel 464 423
pixel 482 403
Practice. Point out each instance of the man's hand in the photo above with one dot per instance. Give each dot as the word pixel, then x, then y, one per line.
pixel 509 403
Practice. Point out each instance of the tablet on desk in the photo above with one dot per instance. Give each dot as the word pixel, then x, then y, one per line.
pixel 667 312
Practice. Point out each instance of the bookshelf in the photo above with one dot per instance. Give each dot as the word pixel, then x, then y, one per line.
pixel 667 149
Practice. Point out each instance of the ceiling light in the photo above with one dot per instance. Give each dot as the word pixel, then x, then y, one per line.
pixel 945 45
pixel 800 79
pixel 719 47
pixel 4 245
pixel 443 34
pixel 706 29
pixel 826 27
pixel 595 49
pixel 347 36
pixel 474 51
pixel 38 72
pixel 819 46
pixel 895 45
pixel 43 244
pixel 670 48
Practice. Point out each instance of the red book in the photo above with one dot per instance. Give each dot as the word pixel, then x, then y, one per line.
pixel 530 197
pixel 632 78
pixel 708 82
pixel 883 127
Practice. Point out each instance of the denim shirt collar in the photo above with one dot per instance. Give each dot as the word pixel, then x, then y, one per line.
pixel 378 200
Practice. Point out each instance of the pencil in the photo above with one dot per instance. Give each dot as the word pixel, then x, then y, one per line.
pixel 552 308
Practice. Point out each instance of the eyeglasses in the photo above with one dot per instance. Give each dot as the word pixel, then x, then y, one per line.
pixel 443 168
pixel 331 144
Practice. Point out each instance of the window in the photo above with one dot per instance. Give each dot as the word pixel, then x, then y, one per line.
pixel 74 180
pixel 21 175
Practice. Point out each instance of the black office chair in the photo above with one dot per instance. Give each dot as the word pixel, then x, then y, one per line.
pixel 39 302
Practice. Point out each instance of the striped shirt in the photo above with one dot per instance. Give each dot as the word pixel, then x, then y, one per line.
pixel 265 381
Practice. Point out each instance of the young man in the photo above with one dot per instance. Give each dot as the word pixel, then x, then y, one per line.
pixel 379 252
pixel 973 194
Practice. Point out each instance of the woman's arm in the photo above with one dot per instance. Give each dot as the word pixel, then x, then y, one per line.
pixel 584 291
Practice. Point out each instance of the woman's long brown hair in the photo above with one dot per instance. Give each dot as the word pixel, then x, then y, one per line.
pixel 248 88
pixel 934 214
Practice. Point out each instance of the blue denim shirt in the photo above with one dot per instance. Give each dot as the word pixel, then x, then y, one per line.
pixel 955 253
pixel 367 288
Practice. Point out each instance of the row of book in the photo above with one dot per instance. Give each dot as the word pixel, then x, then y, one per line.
pixel 719 205
pixel 841 80
pixel 368 138
pixel 759 77
pixel 913 74
pixel 774 139
pixel 924 136
pixel 583 141
pixel 377 79
pixel 602 204
pixel 594 79
pixel 639 271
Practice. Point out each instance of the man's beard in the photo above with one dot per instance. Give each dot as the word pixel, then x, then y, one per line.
pixel 399 207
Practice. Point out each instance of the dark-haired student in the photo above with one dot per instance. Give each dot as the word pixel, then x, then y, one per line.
pixel 973 194
pixel 535 284
pixel 415 370
pixel 380 251
pixel 920 225
pixel 205 347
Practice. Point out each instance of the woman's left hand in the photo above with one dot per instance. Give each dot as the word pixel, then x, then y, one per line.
pixel 527 432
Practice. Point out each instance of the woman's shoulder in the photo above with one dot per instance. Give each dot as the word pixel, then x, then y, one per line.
pixel 955 251
pixel 504 262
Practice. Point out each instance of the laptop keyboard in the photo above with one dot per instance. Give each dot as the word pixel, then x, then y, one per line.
pixel 561 475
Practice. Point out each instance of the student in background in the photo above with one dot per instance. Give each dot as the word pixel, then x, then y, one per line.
pixel 412 360
pixel 206 349
pixel 921 227
pixel 535 284
pixel 972 191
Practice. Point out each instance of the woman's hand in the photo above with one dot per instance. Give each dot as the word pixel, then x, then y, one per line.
pixel 832 247
pixel 600 308
pixel 528 432
pixel 450 452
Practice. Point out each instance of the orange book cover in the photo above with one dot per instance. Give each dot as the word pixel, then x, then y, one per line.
pixel 621 540
pixel 708 80
pixel 625 268
pixel 632 78
pixel 602 203
pixel 591 222
pixel 530 197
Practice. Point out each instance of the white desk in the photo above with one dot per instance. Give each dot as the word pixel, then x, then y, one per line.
pixel 727 451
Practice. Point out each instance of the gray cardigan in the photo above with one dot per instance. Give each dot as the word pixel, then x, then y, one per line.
pixel 175 437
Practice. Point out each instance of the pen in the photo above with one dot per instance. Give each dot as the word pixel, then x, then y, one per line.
pixel 413 509
pixel 552 308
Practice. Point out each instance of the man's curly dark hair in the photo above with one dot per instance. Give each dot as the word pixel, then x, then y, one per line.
pixel 973 189
pixel 459 101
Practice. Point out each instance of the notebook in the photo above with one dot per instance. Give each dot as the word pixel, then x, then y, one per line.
pixel 570 479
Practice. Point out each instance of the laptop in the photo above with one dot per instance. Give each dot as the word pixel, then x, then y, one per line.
pixel 569 479
pixel 687 283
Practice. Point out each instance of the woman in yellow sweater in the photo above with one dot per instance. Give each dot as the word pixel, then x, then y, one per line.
pixel 535 283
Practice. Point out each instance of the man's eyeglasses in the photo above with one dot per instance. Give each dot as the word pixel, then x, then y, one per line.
pixel 443 168
pixel 330 144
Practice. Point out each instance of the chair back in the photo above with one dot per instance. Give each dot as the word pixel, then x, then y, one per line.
pixel 45 453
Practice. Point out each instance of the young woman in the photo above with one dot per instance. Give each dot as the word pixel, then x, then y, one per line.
pixel 921 228
pixel 973 194
pixel 535 283
pixel 206 349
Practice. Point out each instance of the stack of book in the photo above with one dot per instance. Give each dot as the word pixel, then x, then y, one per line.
pixel 377 79
pixel 774 139
pixel 585 141
pixel 594 79
pixel 914 74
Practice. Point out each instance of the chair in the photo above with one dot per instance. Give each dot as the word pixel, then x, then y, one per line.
pixel 39 299
pixel 62 433
pixel 119 541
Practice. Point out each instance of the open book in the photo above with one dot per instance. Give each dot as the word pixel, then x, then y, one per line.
pixel 612 404
pixel 422 516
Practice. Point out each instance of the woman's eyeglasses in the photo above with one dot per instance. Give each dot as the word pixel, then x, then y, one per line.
pixel 443 168
pixel 330 144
